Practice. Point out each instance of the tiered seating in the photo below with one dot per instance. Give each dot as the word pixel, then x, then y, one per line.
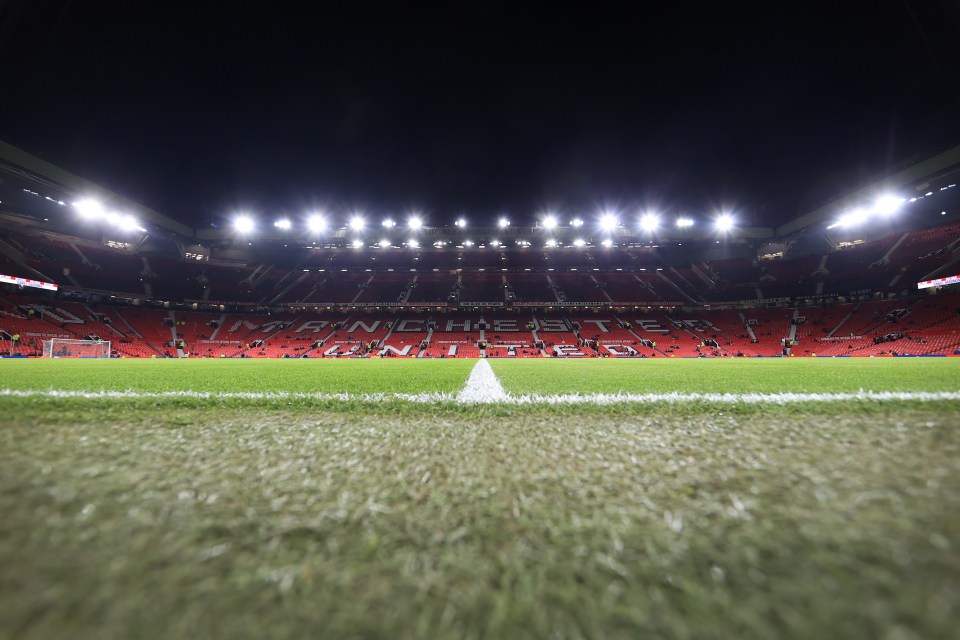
pixel 338 287
pixel 820 321
pixel 433 287
pixel 627 288
pixel 733 270
pixel 481 287
pixel 530 287
pixel 385 287
pixel 858 267
pixel 149 323
pixel 579 287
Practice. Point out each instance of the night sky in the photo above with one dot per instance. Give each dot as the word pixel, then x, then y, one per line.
pixel 477 108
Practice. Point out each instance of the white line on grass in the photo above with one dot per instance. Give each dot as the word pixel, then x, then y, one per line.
pixel 482 386
pixel 493 398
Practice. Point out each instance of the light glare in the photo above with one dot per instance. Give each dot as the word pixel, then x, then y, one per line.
pixel 724 222
pixel 283 224
pixel 649 222
pixel 243 224
pixel 415 223
pixel 357 223
pixel 317 223
pixel 684 222
pixel 609 222
pixel 888 205
pixel 550 222
pixel 503 223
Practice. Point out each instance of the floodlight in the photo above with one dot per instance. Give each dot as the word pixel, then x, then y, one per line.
pixel 503 223
pixel 461 222
pixel 128 223
pixel 579 242
pixel 888 205
pixel 468 243
pixel 317 223
pixel 89 208
pixel 414 223
pixel 243 224
pixel 357 223
pixel 724 222
pixel 389 223
pixel 384 244
pixel 551 242
pixel 413 244
pixel 607 242
pixel 576 222
pixel 684 222
pixel 608 222
pixel 649 222
pixel 283 224
pixel 850 218
pixel 494 243
pixel 357 244
pixel 550 222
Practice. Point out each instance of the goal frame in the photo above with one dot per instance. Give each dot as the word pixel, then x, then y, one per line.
pixel 75 348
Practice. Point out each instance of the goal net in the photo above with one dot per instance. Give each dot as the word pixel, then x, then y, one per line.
pixel 70 348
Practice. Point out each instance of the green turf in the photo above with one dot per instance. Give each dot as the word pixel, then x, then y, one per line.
pixel 239 375
pixel 170 522
pixel 544 376
pixel 742 375
pixel 303 517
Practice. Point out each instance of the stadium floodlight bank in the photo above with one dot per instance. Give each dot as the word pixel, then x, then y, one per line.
pixel 71 348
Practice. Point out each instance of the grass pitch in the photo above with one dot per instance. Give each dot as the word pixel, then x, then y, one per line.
pixel 224 517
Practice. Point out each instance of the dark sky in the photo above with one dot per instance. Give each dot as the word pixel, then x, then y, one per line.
pixel 477 108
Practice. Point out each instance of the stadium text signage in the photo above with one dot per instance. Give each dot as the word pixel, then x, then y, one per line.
pixel 938 282
pixel 26 282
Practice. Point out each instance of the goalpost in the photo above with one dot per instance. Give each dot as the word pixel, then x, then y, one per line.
pixel 72 348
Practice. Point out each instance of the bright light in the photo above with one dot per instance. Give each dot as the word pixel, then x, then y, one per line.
pixel 389 223
pixel 413 244
pixel 607 243
pixel 550 222
pixel 414 223
pixel 609 222
pixel 89 208
pixel 576 222
pixel 243 224
pixel 494 243
pixel 283 224
pixel 888 205
pixel 683 223
pixel 317 223
pixel 551 242
pixel 384 244
pixel 649 222
pixel 850 219
pixel 579 242
pixel 503 223
pixel 357 223
pixel 357 244
pixel 468 243
pixel 128 223
pixel 724 222
pixel 461 222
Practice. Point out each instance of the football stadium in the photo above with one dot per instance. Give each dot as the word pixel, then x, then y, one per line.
pixel 613 420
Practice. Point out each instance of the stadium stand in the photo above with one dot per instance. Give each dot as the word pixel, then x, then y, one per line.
pixel 858 299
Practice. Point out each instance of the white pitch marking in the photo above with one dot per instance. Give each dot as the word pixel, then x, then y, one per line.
pixel 489 391
pixel 482 386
